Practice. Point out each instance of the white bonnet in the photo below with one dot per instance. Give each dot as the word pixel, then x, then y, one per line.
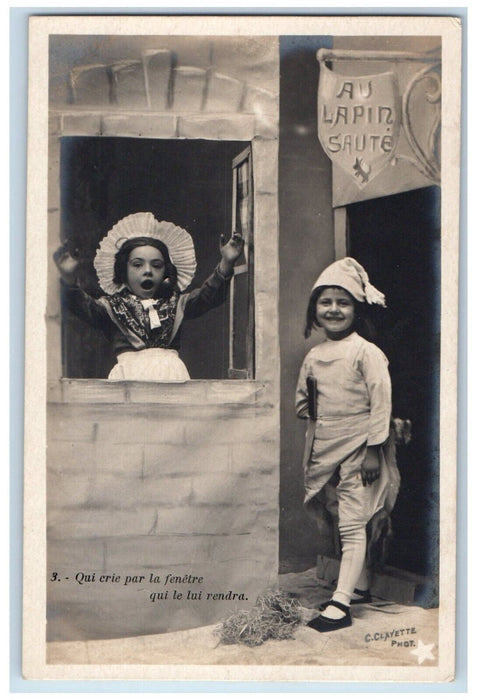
pixel 179 245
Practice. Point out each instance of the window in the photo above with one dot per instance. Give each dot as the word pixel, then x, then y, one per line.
pixel 202 186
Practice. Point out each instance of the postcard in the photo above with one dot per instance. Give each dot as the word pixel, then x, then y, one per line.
pixel 241 348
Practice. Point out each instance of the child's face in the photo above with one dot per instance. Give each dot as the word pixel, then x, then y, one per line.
pixel 145 271
pixel 335 312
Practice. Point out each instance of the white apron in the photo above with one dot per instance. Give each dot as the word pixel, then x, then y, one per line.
pixel 150 365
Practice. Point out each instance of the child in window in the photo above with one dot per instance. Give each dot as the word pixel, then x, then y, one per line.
pixel 144 266
pixel 344 389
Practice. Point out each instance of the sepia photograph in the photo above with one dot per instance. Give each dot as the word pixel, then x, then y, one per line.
pixel 241 348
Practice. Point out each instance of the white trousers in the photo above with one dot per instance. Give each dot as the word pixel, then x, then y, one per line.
pixel 356 505
pixel 341 442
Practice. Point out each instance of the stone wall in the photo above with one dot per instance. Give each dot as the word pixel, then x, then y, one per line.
pixel 149 478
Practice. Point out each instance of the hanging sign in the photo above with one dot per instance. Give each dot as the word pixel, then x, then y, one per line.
pixel 358 121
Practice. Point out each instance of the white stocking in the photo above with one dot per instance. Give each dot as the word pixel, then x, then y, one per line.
pixel 353 538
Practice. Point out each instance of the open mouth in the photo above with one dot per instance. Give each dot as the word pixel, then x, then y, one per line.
pixel 147 285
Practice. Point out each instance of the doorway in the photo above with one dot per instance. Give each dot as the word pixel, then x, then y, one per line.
pixel 397 240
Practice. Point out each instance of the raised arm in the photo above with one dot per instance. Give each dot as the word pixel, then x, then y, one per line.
pixel 73 297
pixel 67 264
pixel 214 290
pixel 230 252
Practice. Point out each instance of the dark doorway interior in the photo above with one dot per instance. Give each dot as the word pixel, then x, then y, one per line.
pixel 188 182
pixel 397 239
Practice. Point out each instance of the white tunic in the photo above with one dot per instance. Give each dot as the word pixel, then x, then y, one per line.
pixel 353 412
pixel 352 378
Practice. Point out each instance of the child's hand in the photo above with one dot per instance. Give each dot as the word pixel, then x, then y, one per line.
pixel 230 252
pixel 66 264
pixel 370 469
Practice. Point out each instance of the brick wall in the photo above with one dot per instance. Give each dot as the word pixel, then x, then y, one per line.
pixel 159 478
pixel 154 481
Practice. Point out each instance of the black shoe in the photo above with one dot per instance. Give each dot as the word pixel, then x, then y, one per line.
pixel 364 597
pixel 327 624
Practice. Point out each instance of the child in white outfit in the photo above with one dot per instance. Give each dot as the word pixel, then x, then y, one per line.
pixel 349 412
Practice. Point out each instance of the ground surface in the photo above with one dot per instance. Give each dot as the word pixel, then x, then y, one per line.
pixel 382 634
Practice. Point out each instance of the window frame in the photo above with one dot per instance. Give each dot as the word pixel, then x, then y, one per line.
pixel 247 268
pixel 263 139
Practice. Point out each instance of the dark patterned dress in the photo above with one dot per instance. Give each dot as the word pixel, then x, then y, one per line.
pixel 144 352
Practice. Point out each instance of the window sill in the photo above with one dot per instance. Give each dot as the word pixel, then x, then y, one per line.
pixel 195 392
